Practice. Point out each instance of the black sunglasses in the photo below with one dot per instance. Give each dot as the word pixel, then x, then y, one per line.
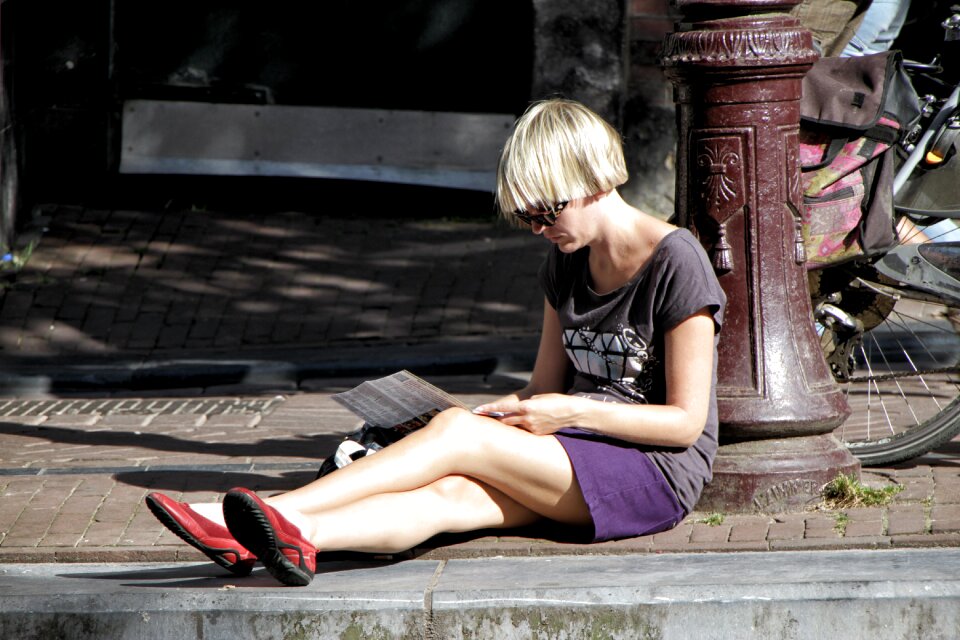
pixel 544 217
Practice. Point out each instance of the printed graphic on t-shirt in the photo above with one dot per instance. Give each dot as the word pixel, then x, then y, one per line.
pixel 621 357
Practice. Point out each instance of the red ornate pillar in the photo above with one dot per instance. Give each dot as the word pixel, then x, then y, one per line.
pixel 737 67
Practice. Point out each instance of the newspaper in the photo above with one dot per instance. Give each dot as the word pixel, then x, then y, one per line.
pixel 401 400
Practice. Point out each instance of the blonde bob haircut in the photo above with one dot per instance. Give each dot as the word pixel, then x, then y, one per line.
pixel 559 151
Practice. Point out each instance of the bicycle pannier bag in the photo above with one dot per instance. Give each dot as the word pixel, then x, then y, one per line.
pixel 852 112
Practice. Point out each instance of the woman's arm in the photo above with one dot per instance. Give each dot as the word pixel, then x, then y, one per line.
pixel 550 368
pixel 678 423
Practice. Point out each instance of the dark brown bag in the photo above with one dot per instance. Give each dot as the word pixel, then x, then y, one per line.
pixel 853 111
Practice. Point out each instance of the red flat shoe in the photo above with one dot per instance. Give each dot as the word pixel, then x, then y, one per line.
pixel 202 533
pixel 276 542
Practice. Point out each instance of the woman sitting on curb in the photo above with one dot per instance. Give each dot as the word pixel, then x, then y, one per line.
pixel 632 305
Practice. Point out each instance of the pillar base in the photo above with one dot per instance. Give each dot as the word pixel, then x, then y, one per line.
pixel 775 476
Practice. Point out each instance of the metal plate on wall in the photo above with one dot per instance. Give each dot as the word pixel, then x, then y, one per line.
pixel 457 150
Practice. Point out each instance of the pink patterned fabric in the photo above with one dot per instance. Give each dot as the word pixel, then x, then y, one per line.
pixel 833 195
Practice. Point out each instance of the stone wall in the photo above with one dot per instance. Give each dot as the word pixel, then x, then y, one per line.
pixel 604 53
pixel 649 123
pixel 580 53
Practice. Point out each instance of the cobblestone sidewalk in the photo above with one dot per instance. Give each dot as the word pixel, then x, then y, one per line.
pixel 74 468
pixel 73 475
pixel 124 284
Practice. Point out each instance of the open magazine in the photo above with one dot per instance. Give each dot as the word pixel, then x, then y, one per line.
pixel 401 401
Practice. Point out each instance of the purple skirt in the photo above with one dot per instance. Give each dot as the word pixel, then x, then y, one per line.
pixel 625 491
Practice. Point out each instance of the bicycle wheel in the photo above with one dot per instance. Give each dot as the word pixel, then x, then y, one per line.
pixel 900 377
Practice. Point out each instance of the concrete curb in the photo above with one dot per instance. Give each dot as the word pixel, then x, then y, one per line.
pixel 275 368
pixel 486 547
pixel 893 594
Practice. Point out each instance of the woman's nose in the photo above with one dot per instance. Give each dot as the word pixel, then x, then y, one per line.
pixel 536 228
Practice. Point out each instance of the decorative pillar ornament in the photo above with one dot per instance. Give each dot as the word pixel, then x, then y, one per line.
pixel 737 68
pixel 721 189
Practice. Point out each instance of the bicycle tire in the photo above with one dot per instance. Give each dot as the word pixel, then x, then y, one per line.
pixel 912 443
pixel 904 390
pixel 880 352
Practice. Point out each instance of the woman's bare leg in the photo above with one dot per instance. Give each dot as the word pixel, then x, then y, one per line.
pixel 391 522
pixel 534 471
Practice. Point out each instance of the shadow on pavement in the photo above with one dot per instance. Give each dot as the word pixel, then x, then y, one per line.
pixel 260 449
pixel 216 481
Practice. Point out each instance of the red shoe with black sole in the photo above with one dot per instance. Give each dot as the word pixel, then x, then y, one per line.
pixel 273 539
pixel 202 533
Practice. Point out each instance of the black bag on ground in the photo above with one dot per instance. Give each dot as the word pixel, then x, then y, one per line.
pixel 365 441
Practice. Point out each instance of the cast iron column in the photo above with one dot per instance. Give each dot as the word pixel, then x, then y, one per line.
pixel 737 67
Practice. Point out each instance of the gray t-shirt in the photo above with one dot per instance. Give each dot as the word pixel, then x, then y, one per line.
pixel 615 340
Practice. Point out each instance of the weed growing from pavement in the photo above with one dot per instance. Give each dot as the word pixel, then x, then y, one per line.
pixel 841 520
pixel 15 260
pixel 714 520
pixel 846 492
pixel 12 262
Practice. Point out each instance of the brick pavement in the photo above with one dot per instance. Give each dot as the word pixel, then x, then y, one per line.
pixel 73 479
pixel 115 285
pixel 123 284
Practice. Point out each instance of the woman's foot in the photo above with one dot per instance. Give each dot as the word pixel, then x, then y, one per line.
pixel 276 542
pixel 202 533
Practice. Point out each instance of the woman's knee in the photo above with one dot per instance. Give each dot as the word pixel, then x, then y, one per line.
pixel 458 494
pixel 455 489
pixel 473 444
pixel 468 500
pixel 452 415
pixel 450 423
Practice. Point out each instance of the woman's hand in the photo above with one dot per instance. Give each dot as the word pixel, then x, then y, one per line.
pixel 541 415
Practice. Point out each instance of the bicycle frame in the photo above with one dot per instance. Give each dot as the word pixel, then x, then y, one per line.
pixel 947 111
pixel 890 324
pixel 920 267
pixel 920 150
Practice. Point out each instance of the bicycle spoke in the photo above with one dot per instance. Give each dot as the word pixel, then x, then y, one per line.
pixel 902 380
pixel 883 406
pixel 908 231
pixel 906 379
pixel 914 319
pixel 940 235
pixel 934 357
pixel 903 395
pixel 873 386
pixel 913 366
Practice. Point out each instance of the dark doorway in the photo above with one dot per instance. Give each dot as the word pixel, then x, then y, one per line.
pixel 70 65
pixel 432 55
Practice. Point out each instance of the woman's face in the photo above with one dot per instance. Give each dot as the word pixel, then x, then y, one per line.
pixel 568 231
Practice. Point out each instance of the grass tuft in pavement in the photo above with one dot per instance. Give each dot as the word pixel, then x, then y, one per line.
pixel 714 519
pixel 846 492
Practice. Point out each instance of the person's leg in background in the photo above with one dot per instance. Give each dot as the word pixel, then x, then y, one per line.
pixel 832 22
pixel 880 27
